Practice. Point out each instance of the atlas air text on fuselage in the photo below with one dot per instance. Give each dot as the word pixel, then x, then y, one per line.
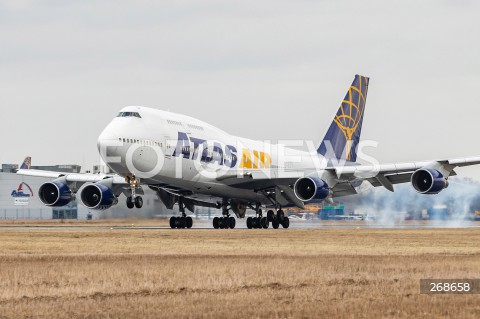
pixel 195 148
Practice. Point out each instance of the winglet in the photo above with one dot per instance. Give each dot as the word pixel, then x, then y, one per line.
pixel 343 136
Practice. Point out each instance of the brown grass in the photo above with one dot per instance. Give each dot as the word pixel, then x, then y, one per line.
pixel 332 273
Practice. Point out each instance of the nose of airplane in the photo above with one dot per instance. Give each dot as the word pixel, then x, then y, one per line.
pixel 108 135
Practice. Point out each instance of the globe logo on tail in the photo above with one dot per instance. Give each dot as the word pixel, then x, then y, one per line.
pixel 350 114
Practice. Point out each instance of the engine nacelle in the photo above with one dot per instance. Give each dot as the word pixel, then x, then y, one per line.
pixel 55 194
pixel 428 181
pixel 309 188
pixel 98 196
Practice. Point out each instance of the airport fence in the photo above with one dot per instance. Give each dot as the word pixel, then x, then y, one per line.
pixel 20 213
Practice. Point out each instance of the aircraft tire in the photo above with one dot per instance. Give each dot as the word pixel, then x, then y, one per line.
pixel 189 222
pixel 138 202
pixel 275 223
pixel 216 223
pixel 264 222
pixel 172 222
pixel 270 215
pixel 231 222
pixel 180 222
pixel 130 202
pixel 280 215
pixel 286 222
pixel 223 223
pixel 249 223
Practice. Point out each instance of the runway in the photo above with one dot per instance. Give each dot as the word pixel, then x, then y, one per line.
pixel 206 224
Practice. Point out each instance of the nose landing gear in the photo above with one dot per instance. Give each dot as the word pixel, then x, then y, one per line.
pixel 133 200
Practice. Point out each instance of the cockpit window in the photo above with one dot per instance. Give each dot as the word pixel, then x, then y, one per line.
pixel 129 114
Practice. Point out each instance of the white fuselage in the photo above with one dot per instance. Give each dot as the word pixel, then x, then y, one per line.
pixel 164 148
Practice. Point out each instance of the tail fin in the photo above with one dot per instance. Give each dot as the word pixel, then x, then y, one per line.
pixel 26 163
pixel 343 136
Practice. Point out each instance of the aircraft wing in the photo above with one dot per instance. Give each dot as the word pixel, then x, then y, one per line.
pixel 76 180
pixel 118 184
pixel 399 172
pixel 70 177
pixel 347 180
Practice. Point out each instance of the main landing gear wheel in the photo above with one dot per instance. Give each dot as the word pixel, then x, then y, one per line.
pixel 270 215
pixel 249 223
pixel 286 222
pixel 181 222
pixel 257 222
pixel 275 223
pixel 224 222
pixel 264 222
pixel 282 219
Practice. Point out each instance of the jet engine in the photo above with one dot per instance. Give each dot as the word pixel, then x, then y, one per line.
pixel 98 196
pixel 55 194
pixel 428 181
pixel 311 188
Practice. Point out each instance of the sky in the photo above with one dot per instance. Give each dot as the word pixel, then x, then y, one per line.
pixel 265 70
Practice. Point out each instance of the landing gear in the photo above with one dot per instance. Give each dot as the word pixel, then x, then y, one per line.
pixel 259 221
pixel 134 200
pixel 275 224
pixel 138 202
pixel 181 222
pixel 282 219
pixel 264 222
pixel 226 221
pixel 130 203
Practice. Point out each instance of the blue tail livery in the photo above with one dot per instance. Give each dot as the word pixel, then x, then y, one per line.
pixel 343 136
pixel 26 163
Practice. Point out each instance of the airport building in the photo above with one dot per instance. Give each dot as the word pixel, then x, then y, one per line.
pixel 19 198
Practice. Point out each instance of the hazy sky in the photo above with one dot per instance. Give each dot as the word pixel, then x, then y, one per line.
pixel 259 69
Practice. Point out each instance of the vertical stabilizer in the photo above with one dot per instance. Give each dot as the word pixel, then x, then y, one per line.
pixel 342 138
pixel 26 163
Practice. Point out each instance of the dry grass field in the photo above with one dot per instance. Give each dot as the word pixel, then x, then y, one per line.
pixel 294 273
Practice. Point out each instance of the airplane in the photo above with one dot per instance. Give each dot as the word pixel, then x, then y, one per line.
pixel 189 163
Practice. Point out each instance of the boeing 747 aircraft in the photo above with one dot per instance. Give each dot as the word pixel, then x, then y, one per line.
pixel 190 163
